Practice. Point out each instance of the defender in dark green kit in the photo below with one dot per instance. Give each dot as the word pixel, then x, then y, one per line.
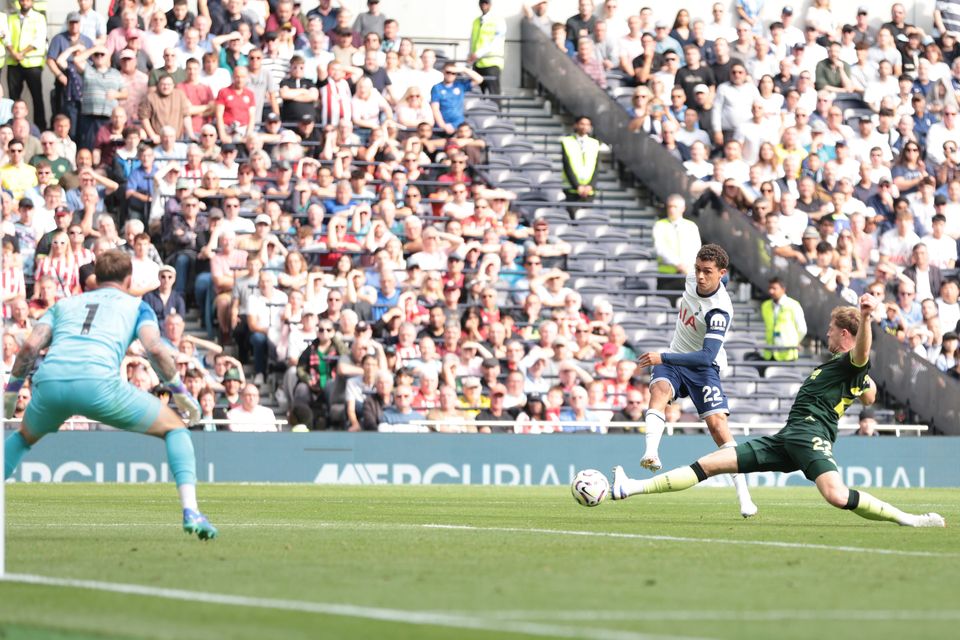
pixel 806 441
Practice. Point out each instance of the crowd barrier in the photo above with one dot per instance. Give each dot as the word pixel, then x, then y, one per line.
pixel 380 458
pixel 914 382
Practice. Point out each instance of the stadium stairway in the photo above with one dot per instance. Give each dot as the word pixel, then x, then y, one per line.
pixel 612 256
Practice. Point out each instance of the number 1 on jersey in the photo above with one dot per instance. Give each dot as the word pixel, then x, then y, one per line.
pixel 91 314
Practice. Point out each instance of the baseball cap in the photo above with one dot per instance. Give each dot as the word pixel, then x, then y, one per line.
pixel 497 389
pixel 701 88
pixel 127 54
pixel 450 286
pixel 490 362
pixel 661 24
pixel 60 211
pixel 609 349
pixel 787 9
pixel 74 16
pixel 470 381
pixel 534 397
pixel 811 232
pixel 938 200
pixel 867 413
pixel 818 127
pixel 362 327
pixel 183 183
pixel 167 269
pixel 262 219
pixel 272 117
pixel 25 203
pixel 307 118
pixel 413 262
pixel 862 10
pixel 232 374
pixel 228 148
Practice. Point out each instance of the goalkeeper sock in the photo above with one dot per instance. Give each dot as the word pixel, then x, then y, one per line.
pixel 655 422
pixel 739 480
pixel 13 450
pixel 866 506
pixel 674 480
pixel 183 463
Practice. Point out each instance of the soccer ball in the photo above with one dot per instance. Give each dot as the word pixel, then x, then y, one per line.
pixel 589 487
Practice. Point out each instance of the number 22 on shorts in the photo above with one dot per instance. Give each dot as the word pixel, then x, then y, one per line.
pixel 713 395
pixel 819 444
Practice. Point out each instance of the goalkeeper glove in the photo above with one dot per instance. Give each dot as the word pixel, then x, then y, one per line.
pixel 10 393
pixel 185 402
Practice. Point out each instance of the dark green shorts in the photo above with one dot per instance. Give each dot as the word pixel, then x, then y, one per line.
pixel 806 450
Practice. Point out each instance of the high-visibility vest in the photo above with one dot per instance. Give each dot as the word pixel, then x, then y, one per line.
pixel 781 329
pixel 482 36
pixel 583 160
pixel 26 32
pixel 674 235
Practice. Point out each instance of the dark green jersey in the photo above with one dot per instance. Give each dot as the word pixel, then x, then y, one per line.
pixel 827 392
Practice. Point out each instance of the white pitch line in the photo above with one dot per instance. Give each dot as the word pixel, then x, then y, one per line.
pixel 696 615
pixel 642 536
pixel 428 618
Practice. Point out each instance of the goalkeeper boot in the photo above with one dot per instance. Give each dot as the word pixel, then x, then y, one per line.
pixel 617 491
pixel 196 522
pixel 928 520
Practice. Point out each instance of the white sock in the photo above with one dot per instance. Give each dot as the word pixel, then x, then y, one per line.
pixel 739 480
pixel 655 421
pixel 188 496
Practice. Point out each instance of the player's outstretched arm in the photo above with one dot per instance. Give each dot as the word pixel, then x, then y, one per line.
pixel 163 362
pixel 38 340
pixel 861 349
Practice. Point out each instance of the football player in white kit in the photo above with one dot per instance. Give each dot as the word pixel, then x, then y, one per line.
pixel 692 365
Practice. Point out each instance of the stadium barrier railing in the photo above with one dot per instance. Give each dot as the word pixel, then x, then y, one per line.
pixel 914 382
pixel 746 428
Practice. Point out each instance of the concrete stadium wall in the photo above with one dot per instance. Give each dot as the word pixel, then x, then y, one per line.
pixel 372 458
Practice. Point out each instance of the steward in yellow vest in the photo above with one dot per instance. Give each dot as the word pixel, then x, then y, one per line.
pixel 784 322
pixel 488 38
pixel 26 47
pixel 581 156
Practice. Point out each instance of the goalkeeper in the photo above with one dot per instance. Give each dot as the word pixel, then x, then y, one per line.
pixel 87 336
pixel 806 442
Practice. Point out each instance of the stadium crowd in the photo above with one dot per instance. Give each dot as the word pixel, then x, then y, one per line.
pixel 837 137
pixel 303 184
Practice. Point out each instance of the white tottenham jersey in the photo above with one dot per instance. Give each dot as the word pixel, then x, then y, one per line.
pixel 702 318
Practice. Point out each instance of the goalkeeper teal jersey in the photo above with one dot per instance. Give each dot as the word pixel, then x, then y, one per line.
pixel 91 334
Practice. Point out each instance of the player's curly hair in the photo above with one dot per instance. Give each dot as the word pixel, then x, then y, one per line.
pixel 714 253
pixel 846 318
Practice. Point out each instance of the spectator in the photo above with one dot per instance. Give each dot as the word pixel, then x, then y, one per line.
pixel 897 243
pixel 446 98
pixel 315 370
pixel 251 415
pixel 590 63
pixel 907 306
pixel 235 108
pixel 164 300
pixel 264 323
pixel 402 411
pixel 496 411
pixel 582 23
pixel 925 276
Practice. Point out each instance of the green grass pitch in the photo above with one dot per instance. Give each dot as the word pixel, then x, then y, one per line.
pixel 298 561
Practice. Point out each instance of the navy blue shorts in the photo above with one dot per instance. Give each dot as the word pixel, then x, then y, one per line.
pixel 701 385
